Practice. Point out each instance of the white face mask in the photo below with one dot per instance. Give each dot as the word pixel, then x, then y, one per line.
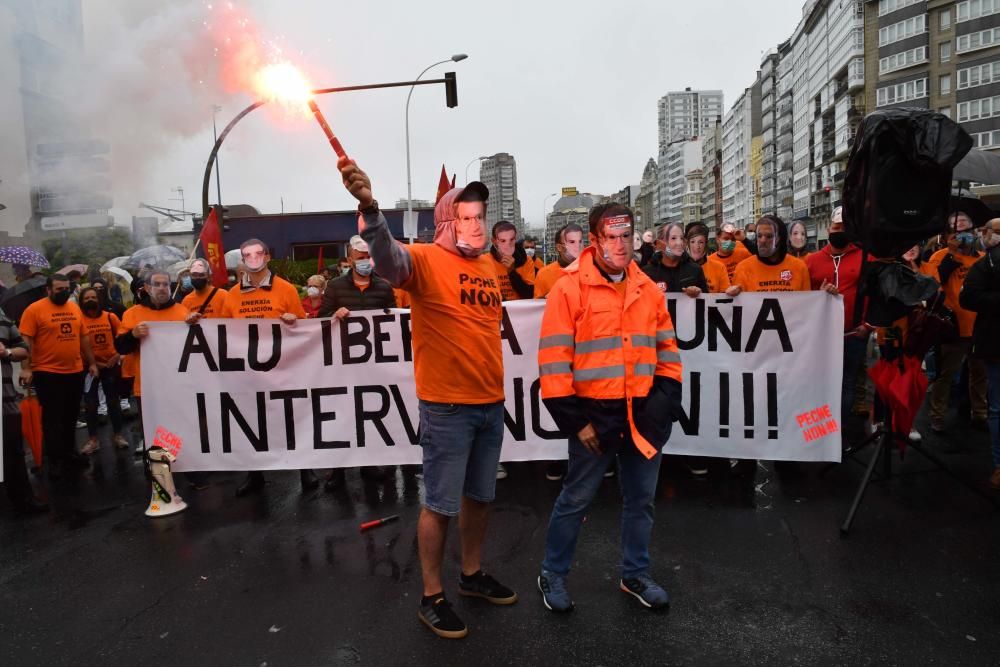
pixel 993 241
pixel 363 267
pixel 254 268
pixel 312 290
pixel 530 252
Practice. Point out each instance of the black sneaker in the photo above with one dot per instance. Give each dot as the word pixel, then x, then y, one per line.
pixel 442 619
pixel 555 471
pixel 482 585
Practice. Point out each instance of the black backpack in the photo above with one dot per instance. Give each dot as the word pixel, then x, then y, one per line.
pixel 898 184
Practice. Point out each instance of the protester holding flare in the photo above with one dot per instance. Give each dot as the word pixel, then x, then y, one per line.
pixel 610 373
pixel 458 369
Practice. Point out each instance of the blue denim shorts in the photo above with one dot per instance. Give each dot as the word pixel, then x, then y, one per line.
pixel 461 449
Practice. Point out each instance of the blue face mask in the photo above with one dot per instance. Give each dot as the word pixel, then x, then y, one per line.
pixel 965 238
pixel 186 284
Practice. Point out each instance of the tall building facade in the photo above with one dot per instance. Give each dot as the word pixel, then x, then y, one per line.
pixel 687 113
pixel 776 132
pixel 499 174
pixel 739 127
pixel 711 180
pixel 676 161
pixel 38 40
pixel 647 203
pixel 691 211
pixel 937 55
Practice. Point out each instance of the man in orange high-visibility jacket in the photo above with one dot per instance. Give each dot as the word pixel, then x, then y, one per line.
pixel 610 374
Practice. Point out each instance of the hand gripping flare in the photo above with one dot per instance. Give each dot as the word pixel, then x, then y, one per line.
pixel 164 500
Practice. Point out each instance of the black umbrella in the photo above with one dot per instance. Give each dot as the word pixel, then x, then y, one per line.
pixel 20 296
pixel 978 167
pixel 973 207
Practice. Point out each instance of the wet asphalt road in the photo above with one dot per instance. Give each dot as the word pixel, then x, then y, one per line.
pixel 758 574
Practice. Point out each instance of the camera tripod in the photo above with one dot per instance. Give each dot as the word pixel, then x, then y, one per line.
pixel 884 439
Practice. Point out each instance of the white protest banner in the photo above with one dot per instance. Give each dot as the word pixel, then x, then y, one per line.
pixel 762 380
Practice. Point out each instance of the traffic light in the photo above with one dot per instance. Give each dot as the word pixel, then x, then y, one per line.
pixel 450 90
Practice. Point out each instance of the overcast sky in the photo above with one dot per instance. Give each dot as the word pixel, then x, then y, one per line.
pixel 568 88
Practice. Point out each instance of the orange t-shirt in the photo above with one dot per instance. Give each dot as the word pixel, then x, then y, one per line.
pixel 456 313
pixel 402 297
pixel 737 256
pixel 526 271
pixel 715 275
pixel 215 308
pixel 790 275
pixel 132 318
pixel 538 263
pixel 966 318
pixel 547 278
pixel 102 331
pixel 281 298
pixel 55 332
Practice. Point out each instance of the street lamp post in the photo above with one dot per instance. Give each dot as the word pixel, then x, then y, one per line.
pixel 218 174
pixel 545 233
pixel 451 96
pixel 407 224
pixel 475 159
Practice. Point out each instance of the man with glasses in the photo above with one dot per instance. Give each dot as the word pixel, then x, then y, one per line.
pixel 610 373
pixel 458 368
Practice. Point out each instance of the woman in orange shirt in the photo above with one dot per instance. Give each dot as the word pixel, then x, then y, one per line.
pixel 102 327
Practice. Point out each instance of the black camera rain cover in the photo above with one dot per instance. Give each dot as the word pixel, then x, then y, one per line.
pixel 898 183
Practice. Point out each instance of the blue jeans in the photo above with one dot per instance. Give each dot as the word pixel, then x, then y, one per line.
pixel 461 449
pixel 993 405
pixel 583 477
pixel 854 360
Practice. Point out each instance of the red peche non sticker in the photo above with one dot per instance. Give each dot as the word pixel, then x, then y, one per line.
pixel 168 441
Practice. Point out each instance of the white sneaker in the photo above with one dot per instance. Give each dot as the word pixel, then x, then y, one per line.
pixel 501 471
pixel 80 424
pixel 915 435
pixel 125 405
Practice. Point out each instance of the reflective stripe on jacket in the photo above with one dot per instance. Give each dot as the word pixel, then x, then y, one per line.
pixel 598 344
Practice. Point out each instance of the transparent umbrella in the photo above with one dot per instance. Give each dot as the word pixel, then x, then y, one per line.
pixel 154 257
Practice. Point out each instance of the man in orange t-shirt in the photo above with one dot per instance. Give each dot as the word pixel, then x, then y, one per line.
pixel 155 305
pixel 262 294
pixel 516 279
pixel 205 298
pixel 568 242
pixel 950 266
pixel 57 348
pixel 772 269
pixel 458 366
pixel 731 252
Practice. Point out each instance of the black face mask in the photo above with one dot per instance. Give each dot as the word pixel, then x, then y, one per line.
pixel 92 308
pixel 839 240
pixel 199 283
pixel 60 298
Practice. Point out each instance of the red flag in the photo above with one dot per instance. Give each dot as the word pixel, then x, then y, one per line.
pixel 443 185
pixel 319 260
pixel 211 247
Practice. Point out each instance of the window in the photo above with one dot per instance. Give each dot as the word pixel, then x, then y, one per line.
pixel 979 75
pixel 987 139
pixel 974 9
pixel 944 84
pixel 945 17
pixel 902 60
pixel 977 40
pixel 901 92
pixel 906 28
pixel 945 111
pixel 887 6
pixel 944 52
pixel 988 107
